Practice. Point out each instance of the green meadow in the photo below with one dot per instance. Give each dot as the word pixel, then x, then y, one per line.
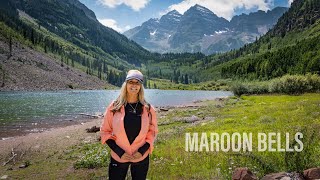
pixel 265 113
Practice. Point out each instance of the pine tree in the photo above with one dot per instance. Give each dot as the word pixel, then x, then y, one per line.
pixel 99 72
pixel 3 76
pixel 61 62
pixel 32 37
pixel 10 46
pixel 186 79
pixel 105 67
pixel 145 82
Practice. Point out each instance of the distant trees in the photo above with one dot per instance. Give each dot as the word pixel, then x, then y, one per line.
pixel 298 59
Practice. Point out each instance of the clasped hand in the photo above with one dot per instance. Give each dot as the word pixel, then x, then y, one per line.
pixel 127 156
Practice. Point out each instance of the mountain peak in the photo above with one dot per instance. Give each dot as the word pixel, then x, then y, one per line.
pixel 174 12
pixel 200 8
pixel 172 16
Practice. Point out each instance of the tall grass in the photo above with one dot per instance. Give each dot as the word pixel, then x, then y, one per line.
pixel 288 84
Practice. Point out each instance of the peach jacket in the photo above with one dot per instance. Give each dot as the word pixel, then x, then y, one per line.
pixel 113 128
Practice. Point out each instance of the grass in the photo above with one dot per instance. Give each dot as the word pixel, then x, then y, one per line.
pixel 254 114
pixel 250 114
pixel 168 85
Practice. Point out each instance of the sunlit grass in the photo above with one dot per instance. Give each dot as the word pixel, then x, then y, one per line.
pixel 253 114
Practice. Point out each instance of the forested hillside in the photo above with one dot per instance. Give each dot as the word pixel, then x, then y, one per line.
pixel 69 32
pixel 291 47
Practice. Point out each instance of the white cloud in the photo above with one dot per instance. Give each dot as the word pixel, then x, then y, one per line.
pixel 289 2
pixel 136 5
pixel 111 23
pixel 127 28
pixel 222 8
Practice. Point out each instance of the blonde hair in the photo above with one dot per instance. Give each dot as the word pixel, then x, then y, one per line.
pixel 122 98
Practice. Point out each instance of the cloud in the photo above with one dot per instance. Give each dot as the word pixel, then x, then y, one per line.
pixel 222 8
pixel 136 5
pixel 111 23
pixel 289 2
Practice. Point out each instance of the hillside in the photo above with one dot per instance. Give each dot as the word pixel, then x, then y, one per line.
pixel 69 33
pixel 291 47
pixel 28 69
pixel 76 23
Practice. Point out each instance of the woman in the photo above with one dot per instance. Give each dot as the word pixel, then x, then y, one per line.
pixel 129 128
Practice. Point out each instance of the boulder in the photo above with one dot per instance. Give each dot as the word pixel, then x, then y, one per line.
pixel 93 129
pixel 192 119
pixel 312 173
pixel 243 174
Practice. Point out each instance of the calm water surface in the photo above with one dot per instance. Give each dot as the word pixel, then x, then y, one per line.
pixel 25 112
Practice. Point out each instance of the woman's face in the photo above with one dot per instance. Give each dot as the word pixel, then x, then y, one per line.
pixel 133 86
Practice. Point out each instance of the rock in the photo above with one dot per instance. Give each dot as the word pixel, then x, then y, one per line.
pixel 243 174
pixel 99 138
pixel 4 177
pixel 192 119
pixel 93 129
pixel 22 166
pixel 283 176
pixel 164 109
pixel 312 173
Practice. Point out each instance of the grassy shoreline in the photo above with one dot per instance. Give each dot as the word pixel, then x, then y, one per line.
pixel 258 113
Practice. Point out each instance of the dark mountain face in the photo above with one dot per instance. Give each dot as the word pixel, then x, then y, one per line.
pixel 170 21
pixel 74 22
pixel 301 15
pixel 200 30
pixel 196 22
pixel 155 33
pixel 81 6
pixel 255 22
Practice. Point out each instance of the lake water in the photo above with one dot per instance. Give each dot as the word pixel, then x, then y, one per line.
pixel 25 112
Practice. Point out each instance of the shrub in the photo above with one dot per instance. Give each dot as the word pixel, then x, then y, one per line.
pixel 288 84
pixel 295 84
pixel 238 89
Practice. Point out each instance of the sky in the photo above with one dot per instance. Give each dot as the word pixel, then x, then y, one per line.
pixel 122 15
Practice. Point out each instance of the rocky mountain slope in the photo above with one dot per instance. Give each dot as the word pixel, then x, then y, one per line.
pixel 28 69
pixel 200 30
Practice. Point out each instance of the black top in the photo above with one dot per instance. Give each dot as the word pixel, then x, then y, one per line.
pixel 132 126
pixel 132 120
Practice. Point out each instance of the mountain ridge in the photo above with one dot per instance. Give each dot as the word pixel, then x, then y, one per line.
pixel 200 30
